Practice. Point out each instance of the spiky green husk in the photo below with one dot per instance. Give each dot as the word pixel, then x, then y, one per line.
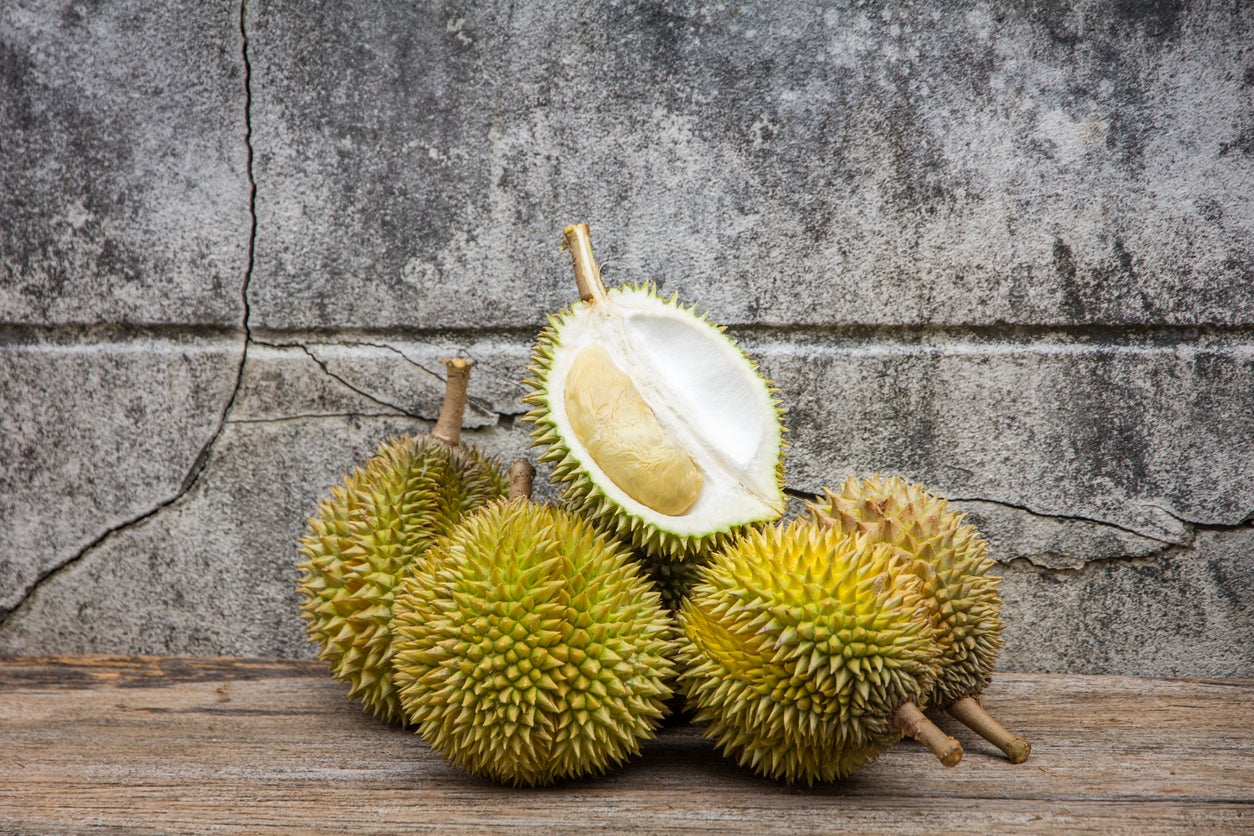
pixel 580 493
pixel 674 579
pixel 367 536
pixel 530 649
pixel 799 646
pixel 953 563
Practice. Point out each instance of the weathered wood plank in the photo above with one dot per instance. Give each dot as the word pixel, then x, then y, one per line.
pixel 235 745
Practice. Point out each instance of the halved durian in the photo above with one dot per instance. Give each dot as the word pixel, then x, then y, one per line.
pixel 658 424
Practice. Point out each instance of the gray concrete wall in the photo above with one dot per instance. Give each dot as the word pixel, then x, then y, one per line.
pixel 1003 248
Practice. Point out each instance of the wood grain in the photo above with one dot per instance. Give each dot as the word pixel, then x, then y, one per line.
pixel 167 745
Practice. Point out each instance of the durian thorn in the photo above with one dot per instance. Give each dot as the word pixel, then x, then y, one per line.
pixel 911 721
pixel 822 516
pixel 448 427
pixel 521 474
pixel 970 713
pixel 578 240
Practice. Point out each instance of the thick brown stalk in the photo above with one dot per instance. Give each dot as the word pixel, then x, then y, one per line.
pixel 911 721
pixel 521 473
pixel 587 274
pixel 970 713
pixel 448 427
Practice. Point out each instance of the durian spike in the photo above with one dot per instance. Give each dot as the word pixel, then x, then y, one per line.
pixel 578 240
pixel 521 474
pixel 911 721
pixel 448 427
pixel 970 713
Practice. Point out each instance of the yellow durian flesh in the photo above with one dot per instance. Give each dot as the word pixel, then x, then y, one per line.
pixel 694 453
pixel 697 396
pixel 624 437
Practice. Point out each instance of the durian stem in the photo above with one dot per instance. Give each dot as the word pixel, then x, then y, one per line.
pixel 448 427
pixel 521 474
pixel 587 274
pixel 911 721
pixel 970 713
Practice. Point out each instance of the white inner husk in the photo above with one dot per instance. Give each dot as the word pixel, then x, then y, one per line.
pixel 702 390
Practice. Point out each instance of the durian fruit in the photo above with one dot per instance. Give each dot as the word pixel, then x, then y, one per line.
pixel 530 649
pixel 807 652
pixel 674 579
pixel 373 529
pixel 953 563
pixel 661 429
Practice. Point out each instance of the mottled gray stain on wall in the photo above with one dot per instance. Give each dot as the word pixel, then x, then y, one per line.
pixel 122 165
pixel 1004 248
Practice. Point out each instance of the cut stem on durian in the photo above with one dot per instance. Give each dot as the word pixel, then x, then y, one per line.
pixel 578 239
pixel 521 475
pixel 914 724
pixel 448 427
pixel 970 713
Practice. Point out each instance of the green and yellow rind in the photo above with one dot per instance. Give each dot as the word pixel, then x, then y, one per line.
pixel 580 493
pixel 366 537
pixel 673 579
pixel 951 558
pixel 529 648
pixel 798 647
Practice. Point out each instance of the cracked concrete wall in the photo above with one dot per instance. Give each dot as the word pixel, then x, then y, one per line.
pixel 1004 249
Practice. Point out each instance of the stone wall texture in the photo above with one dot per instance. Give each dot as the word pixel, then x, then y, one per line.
pixel 1003 248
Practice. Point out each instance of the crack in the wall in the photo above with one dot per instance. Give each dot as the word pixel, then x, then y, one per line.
pixel 505 421
pixel 327 371
pixel 525 334
pixel 53 571
pixel 395 350
pixel 1026 563
pixel 503 418
pixel 809 496
pixel 202 457
pixel 1247 521
pixel 1053 336
pixel 478 403
pixel 345 383
pixel 1077 518
pixel 313 416
pixel 1079 562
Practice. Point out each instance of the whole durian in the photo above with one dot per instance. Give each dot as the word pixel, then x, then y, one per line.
pixel 661 429
pixel 529 648
pixel 372 530
pixel 806 651
pixel 953 563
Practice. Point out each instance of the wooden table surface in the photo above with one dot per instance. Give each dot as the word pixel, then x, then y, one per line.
pixel 177 745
